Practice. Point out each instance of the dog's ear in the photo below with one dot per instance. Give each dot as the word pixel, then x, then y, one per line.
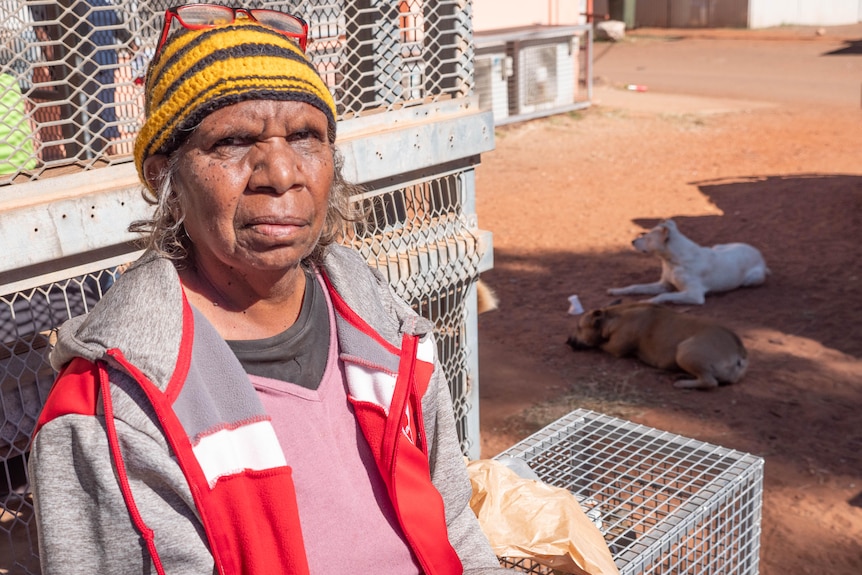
pixel 665 233
pixel 606 325
pixel 597 318
pixel 669 226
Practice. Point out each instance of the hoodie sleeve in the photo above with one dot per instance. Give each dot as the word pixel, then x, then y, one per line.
pixel 84 526
pixel 449 475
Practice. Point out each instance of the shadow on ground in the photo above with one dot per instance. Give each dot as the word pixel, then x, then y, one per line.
pixel 851 48
pixel 799 403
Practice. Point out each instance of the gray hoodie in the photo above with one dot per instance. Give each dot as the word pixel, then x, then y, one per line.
pixel 84 522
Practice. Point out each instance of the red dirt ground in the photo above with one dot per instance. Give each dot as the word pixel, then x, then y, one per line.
pixel 740 138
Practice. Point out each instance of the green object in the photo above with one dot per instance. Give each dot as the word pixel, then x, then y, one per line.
pixel 623 11
pixel 16 136
pixel 629 7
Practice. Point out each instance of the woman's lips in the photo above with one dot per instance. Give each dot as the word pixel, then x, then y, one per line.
pixel 276 225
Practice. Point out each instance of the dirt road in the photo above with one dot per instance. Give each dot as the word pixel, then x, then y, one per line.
pixel 741 136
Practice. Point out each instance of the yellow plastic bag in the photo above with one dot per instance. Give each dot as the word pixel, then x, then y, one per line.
pixel 526 518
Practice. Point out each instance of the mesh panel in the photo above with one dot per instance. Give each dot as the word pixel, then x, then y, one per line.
pixel 666 504
pixel 417 237
pixel 28 320
pixel 71 88
pixel 71 96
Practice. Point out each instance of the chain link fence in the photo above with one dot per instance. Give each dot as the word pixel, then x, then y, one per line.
pixel 28 320
pixel 419 239
pixel 417 236
pixel 72 71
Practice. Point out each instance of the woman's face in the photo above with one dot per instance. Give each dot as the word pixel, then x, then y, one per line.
pixel 253 181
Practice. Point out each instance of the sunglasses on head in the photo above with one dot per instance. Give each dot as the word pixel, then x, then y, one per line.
pixel 200 16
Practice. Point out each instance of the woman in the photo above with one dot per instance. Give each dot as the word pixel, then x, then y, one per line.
pixel 249 397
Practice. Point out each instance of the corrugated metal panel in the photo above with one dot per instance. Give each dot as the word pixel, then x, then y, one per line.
pixel 728 13
pixel 652 13
pixel 689 13
pixel 692 13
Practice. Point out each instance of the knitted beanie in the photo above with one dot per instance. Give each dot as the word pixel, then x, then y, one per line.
pixel 201 71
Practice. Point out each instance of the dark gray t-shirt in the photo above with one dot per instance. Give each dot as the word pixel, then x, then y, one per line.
pixel 298 354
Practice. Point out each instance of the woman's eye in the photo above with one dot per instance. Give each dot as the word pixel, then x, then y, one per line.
pixel 300 135
pixel 232 141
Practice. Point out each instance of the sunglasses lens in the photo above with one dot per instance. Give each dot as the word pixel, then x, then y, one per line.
pixel 197 16
pixel 280 21
pixel 204 15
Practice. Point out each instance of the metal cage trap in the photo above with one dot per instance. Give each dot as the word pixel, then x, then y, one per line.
pixel 666 504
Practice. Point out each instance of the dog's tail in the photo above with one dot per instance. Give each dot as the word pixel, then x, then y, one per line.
pixel 486 298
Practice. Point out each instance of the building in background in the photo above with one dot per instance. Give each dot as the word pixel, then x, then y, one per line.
pixel 494 14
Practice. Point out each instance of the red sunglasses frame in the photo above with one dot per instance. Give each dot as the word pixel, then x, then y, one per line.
pixel 173 13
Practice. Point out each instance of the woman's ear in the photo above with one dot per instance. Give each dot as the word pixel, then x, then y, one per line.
pixel 155 169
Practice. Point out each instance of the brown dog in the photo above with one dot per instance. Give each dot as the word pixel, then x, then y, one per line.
pixel 665 339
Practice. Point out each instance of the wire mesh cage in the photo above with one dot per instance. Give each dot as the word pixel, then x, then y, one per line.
pixel 74 102
pixel 72 71
pixel 666 504
pixel 417 235
pixel 420 239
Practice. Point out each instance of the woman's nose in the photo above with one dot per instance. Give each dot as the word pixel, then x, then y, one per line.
pixel 275 167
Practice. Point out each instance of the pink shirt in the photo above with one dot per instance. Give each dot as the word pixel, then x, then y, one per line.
pixel 348 523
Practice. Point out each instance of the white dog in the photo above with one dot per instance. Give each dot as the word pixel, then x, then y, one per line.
pixel 693 270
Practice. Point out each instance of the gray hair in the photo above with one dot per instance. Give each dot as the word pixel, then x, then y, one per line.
pixel 165 234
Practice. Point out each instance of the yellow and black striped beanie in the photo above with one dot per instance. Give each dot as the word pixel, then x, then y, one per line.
pixel 200 71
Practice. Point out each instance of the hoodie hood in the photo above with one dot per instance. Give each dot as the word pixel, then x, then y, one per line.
pixel 141 314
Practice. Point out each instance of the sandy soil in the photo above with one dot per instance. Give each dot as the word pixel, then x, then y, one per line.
pixel 766 164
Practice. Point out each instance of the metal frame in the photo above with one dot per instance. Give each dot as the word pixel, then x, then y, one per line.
pixel 666 503
pixel 82 218
pixel 411 132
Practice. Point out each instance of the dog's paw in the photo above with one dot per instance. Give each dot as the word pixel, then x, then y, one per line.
pixel 695 384
pixel 679 298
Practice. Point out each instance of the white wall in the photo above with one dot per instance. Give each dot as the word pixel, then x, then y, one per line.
pixel 767 13
pixel 494 14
